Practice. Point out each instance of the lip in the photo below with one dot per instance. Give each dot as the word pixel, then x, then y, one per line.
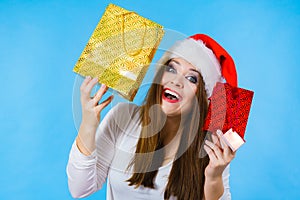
pixel 170 100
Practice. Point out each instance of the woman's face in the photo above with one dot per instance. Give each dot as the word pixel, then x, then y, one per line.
pixel 179 82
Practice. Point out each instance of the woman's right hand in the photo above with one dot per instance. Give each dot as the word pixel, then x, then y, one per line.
pixel 91 110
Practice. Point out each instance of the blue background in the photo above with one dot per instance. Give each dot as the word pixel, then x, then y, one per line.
pixel 41 41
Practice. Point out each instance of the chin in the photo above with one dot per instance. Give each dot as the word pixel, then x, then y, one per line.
pixel 174 112
pixel 170 112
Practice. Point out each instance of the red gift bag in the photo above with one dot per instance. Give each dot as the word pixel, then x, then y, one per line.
pixel 228 111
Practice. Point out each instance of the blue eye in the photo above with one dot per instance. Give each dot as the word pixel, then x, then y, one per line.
pixel 192 79
pixel 170 68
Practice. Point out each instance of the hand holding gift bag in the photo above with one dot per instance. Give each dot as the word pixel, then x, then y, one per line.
pixel 228 111
pixel 229 106
pixel 120 50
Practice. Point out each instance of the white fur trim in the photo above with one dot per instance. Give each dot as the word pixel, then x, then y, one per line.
pixel 196 53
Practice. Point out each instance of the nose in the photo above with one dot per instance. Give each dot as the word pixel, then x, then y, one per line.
pixel 177 81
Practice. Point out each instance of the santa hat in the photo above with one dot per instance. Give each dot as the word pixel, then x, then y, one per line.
pixel 210 58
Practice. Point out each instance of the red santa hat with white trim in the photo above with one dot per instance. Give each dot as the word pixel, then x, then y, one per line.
pixel 209 57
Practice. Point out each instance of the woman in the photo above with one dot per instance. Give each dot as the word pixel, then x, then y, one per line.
pixel 158 150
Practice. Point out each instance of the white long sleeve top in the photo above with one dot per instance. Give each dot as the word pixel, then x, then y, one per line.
pixel 116 140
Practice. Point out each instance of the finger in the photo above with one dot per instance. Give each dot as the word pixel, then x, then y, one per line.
pixel 84 94
pixel 86 81
pixel 226 149
pixel 210 153
pixel 101 106
pixel 215 148
pixel 88 88
pixel 100 94
pixel 216 140
pixel 219 134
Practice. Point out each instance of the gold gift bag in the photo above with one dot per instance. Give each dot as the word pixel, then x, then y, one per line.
pixel 120 50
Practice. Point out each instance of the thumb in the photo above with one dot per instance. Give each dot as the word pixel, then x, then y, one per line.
pixel 102 105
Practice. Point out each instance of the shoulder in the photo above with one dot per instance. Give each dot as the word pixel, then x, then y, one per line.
pixel 126 105
pixel 124 108
pixel 117 120
pixel 122 114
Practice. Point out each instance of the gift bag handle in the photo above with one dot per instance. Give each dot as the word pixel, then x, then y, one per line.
pixel 123 36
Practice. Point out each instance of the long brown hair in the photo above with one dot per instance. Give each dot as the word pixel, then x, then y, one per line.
pixel 186 179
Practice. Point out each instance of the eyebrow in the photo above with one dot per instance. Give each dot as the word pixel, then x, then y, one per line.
pixel 191 69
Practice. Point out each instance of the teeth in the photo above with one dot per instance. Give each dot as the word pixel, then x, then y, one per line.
pixel 172 93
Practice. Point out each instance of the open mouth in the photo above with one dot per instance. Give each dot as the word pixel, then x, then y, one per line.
pixel 171 96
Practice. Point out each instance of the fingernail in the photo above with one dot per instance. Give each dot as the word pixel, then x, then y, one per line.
pixel 103 86
pixel 219 132
pixel 88 77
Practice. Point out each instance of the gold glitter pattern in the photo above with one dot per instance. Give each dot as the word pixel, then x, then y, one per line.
pixel 120 50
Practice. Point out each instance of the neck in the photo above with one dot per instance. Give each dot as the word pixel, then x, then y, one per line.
pixel 170 129
pixel 171 135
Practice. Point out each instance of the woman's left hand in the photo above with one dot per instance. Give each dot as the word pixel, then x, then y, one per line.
pixel 220 155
